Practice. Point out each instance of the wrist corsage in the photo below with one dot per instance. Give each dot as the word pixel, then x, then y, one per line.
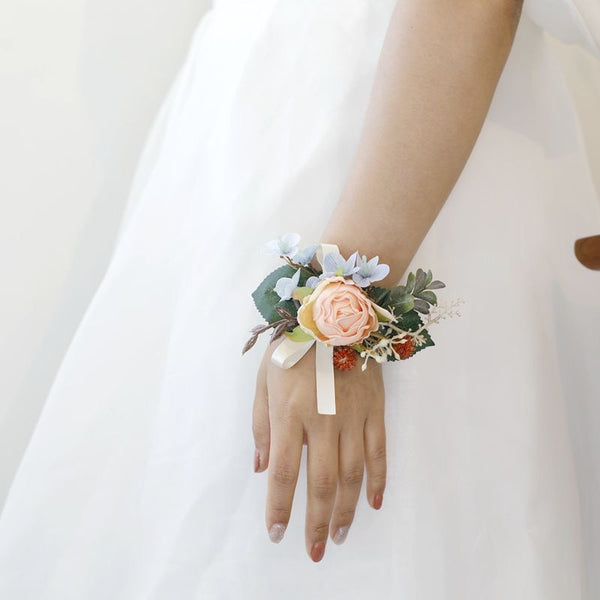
pixel 337 305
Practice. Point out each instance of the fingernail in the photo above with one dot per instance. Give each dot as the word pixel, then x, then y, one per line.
pixel 317 551
pixel 256 460
pixel 377 500
pixel 340 534
pixel 276 532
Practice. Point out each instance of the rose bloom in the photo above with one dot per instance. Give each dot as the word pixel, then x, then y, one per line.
pixel 339 312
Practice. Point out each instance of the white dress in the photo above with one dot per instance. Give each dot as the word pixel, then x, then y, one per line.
pixel 138 480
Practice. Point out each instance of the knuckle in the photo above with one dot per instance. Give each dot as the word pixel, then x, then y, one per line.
pixel 284 475
pixel 378 453
pixel 320 530
pixel 352 477
pixel 324 487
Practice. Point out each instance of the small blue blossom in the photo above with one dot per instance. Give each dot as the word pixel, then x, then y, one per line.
pixel 305 256
pixel 285 286
pixel 335 264
pixel 369 271
pixel 284 245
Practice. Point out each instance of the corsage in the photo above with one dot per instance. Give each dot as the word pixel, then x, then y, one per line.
pixel 337 306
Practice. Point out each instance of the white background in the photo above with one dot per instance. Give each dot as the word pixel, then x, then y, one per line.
pixel 80 82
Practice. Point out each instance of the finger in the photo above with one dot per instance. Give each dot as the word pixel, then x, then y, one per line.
pixel 375 457
pixel 284 464
pixel 322 474
pixel 260 422
pixel 351 469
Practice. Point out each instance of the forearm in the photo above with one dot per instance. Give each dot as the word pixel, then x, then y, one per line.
pixel 437 73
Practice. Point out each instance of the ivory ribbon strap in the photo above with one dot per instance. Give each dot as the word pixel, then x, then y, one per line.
pixel 289 352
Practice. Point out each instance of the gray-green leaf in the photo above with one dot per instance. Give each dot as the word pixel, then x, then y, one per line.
pixel 436 285
pixel 427 296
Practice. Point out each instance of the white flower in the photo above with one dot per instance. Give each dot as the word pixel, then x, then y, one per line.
pixel 285 286
pixel 284 245
pixel 370 271
pixel 305 256
pixel 335 264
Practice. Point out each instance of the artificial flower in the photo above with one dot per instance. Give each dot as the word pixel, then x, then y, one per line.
pixel 335 264
pixel 284 245
pixel 369 271
pixel 285 286
pixel 339 312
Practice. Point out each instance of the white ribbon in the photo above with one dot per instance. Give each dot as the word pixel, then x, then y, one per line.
pixel 289 352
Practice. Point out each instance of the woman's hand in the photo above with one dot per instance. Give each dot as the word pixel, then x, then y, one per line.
pixel 285 417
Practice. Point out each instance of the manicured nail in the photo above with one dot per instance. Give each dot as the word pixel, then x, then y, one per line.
pixel 340 534
pixel 256 460
pixel 276 532
pixel 377 500
pixel 317 551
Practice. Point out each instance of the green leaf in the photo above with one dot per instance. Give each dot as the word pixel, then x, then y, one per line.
pixel 410 283
pixel 265 297
pixel 428 342
pixel 436 285
pixel 427 296
pixel 428 279
pixel 379 295
pixel 397 292
pixel 410 321
pixel 419 281
pixel 299 335
pixel 402 303
pixel 301 292
pixel 421 306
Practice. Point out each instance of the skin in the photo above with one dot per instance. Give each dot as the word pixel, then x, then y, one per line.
pixel 438 70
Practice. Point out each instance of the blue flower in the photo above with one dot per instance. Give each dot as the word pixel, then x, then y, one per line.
pixel 313 282
pixel 370 271
pixel 284 245
pixel 305 256
pixel 285 286
pixel 335 264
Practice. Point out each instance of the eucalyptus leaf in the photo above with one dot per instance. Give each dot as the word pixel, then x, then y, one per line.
pixel 402 304
pixel 427 296
pixel 436 285
pixel 421 306
pixel 419 281
pixel 428 279
pixel 397 291
pixel 410 282
pixel 379 295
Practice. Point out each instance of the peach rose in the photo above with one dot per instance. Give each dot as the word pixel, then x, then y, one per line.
pixel 339 312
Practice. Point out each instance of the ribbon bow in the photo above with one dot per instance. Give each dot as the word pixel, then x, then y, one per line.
pixel 289 352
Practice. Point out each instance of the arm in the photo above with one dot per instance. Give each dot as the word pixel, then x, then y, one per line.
pixel 438 70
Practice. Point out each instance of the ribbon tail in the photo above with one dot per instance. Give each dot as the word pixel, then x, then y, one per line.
pixel 325 380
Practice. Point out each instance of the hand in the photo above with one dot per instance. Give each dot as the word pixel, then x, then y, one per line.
pixel 285 417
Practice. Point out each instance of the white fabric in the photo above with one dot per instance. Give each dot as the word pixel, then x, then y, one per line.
pixel 138 481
